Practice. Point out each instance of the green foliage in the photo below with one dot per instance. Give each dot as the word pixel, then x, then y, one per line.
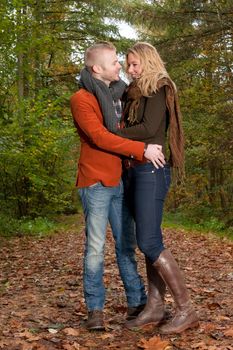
pixel 182 219
pixel 41 54
pixel 42 46
pixel 36 159
pixel 8 225
pixel 38 227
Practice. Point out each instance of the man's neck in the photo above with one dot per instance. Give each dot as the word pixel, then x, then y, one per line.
pixel 96 76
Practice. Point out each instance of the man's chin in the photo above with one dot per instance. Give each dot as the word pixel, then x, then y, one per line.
pixel 116 78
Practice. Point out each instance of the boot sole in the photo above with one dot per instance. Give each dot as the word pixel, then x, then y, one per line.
pixel 192 325
pixel 96 328
pixel 144 325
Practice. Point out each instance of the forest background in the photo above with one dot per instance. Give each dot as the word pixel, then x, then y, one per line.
pixel 42 46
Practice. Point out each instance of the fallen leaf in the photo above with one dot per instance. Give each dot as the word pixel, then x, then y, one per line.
pixel 222 318
pixel 217 335
pixel 52 330
pixel 29 301
pixel 71 331
pixel 154 343
pixel 28 335
pixel 3 343
pixel 213 306
pixel 106 336
pixel 208 327
pixel 228 332
pixel 76 346
pixel 26 346
pixel 68 346
pixel 91 343
pixel 200 345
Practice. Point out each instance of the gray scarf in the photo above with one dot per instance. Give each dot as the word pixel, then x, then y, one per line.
pixel 105 96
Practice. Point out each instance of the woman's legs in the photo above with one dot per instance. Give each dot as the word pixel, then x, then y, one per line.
pixel 150 188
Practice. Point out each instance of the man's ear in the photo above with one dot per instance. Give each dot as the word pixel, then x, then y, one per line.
pixel 96 68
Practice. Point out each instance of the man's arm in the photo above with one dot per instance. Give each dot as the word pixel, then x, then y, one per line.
pixel 83 111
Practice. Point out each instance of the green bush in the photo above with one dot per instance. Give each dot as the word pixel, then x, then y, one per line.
pixel 37 162
pixel 39 226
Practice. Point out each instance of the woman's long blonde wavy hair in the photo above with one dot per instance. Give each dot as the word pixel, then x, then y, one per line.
pixel 153 76
pixel 153 67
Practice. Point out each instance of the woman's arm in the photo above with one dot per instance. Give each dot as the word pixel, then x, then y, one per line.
pixel 155 111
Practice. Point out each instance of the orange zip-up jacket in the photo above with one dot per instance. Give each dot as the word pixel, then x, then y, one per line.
pixel 100 152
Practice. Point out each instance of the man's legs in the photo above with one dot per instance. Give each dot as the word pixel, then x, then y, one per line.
pixel 122 225
pixel 96 201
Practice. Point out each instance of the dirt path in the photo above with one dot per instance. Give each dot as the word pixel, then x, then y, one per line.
pixel 42 306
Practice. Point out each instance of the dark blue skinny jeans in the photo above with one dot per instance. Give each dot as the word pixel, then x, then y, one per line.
pixel 146 188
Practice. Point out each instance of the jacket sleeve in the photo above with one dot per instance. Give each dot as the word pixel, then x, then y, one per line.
pixel 84 114
pixel 154 112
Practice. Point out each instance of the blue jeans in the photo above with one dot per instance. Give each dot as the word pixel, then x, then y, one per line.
pixel 100 205
pixel 146 188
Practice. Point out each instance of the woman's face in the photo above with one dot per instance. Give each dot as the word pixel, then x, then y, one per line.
pixel 134 67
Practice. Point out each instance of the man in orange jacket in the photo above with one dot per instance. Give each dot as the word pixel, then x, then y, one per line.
pixel 99 181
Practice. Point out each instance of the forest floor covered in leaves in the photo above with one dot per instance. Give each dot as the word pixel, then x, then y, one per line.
pixel 42 305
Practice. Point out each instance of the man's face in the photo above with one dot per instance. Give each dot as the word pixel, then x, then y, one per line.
pixel 109 66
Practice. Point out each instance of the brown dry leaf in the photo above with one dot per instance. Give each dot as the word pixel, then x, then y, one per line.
pixel 68 346
pixel 106 336
pixel 39 347
pixel 91 343
pixel 26 346
pixel 208 327
pixel 33 306
pixel 154 343
pixel 222 318
pixel 3 343
pixel 33 346
pixel 228 332
pixel 28 335
pixel 71 331
pixel 15 323
pixel 213 306
pixel 21 313
pixel 200 346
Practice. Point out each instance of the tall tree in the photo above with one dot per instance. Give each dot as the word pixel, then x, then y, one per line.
pixel 42 50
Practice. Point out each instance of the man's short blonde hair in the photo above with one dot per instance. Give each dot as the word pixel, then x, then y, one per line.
pixel 92 53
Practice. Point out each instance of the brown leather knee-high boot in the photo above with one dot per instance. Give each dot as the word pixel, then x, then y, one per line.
pixel 185 316
pixel 153 312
